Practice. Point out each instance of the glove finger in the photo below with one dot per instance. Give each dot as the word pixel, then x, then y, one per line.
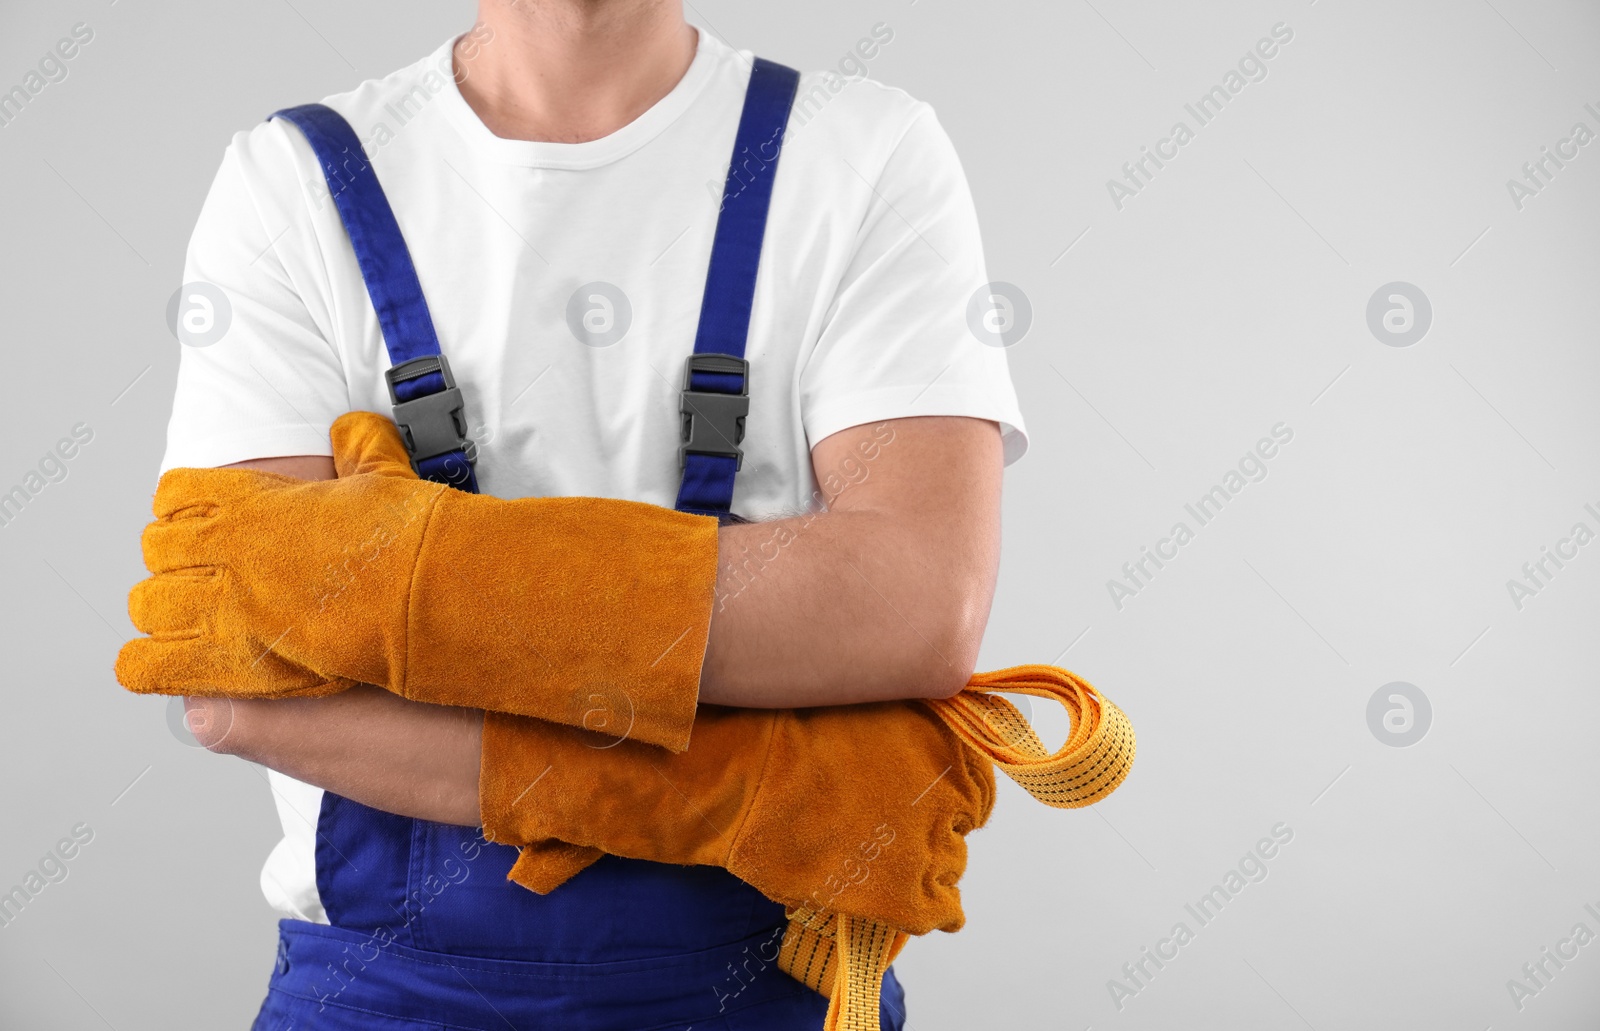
pixel 368 443
pixel 181 490
pixel 142 667
pixel 980 789
pixel 201 665
pixel 945 906
pixel 912 884
pixel 177 544
pixel 544 866
pixel 966 792
pixel 175 602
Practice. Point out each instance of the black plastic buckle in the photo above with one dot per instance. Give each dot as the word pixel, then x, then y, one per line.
pixel 713 423
pixel 432 424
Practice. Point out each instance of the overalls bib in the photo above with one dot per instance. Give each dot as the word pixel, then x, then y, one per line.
pixel 426 932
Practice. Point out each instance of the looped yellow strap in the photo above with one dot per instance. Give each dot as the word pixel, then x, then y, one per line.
pixel 843 956
pixel 1095 758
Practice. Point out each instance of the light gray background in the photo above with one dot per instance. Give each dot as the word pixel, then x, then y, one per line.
pixel 1228 296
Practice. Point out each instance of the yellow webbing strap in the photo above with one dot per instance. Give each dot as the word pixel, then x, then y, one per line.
pixel 843 956
pixel 1094 759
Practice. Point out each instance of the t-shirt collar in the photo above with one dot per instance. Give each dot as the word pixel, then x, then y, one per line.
pixel 592 153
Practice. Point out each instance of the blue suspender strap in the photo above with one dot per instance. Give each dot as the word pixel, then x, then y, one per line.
pixel 428 406
pixel 716 388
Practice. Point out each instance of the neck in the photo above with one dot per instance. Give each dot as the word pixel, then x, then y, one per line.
pixel 570 71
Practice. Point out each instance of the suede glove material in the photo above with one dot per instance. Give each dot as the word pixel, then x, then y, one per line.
pixel 860 808
pixel 587 611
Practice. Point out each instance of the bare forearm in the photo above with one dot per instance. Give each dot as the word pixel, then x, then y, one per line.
pixel 365 744
pixel 884 595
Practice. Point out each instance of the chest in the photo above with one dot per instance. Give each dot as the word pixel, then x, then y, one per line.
pixel 567 304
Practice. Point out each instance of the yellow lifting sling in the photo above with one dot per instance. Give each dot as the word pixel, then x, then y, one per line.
pixel 844 957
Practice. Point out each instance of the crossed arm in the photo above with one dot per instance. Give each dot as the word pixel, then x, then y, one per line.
pixel 883 596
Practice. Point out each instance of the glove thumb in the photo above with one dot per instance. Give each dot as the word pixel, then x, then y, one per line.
pixel 546 865
pixel 368 443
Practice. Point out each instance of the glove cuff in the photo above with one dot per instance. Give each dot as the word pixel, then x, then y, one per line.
pixel 591 612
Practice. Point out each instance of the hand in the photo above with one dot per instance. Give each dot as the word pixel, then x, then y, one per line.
pixel 861 808
pixel 266 586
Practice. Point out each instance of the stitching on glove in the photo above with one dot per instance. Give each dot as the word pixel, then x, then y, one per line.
pixel 402 686
pixel 761 781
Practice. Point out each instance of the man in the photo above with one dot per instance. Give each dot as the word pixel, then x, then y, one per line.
pixel 565 144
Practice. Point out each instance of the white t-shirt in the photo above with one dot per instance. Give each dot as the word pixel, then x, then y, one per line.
pixel 872 255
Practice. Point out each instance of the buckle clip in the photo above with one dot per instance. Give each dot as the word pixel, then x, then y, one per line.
pixel 713 422
pixel 435 423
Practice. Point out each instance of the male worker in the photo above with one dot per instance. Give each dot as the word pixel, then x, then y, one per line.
pixel 549 170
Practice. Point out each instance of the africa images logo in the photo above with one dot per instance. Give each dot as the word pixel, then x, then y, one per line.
pixel 1251 68
pixel 1252 468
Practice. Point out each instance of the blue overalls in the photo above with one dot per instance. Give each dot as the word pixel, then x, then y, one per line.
pixel 426 932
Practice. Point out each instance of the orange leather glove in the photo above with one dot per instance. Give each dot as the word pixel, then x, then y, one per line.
pixel 567 609
pixel 860 808
pixel 787 800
